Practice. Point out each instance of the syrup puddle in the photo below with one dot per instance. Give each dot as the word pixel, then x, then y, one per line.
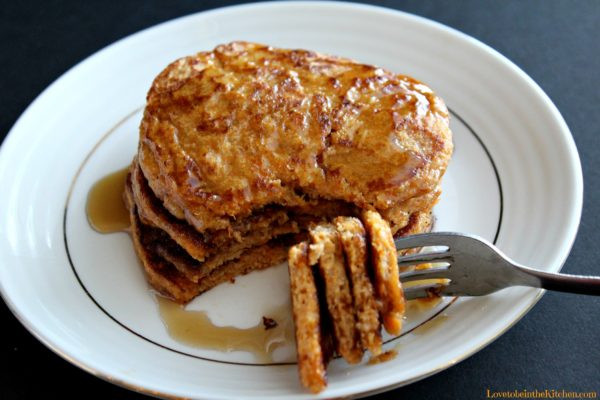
pixel 415 308
pixel 195 328
pixel 432 324
pixel 105 207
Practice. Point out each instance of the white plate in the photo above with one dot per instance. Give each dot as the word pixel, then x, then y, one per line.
pixel 515 179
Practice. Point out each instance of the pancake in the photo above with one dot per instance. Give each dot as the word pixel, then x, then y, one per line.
pixel 352 234
pixel 246 143
pixel 307 320
pixel 165 263
pixel 218 247
pixel 233 130
pixel 384 263
pixel 161 275
pixel 338 294
pixel 352 290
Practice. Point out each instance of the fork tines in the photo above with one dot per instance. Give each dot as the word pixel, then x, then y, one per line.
pixel 434 256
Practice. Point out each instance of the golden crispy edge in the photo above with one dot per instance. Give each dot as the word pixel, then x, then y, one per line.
pixel 352 234
pixel 337 292
pixel 419 222
pixel 387 281
pixel 162 276
pixel 152 213
pixel 307 320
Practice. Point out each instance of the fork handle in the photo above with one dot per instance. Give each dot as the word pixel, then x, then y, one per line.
pixel 561 282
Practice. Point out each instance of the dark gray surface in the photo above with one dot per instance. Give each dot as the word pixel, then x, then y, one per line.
pixel 556 346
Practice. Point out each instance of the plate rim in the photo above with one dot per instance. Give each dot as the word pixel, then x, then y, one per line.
pixel 571 150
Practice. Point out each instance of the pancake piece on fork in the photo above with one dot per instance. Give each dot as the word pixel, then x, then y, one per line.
pixel 353 237
pixel 385 267
pixel 338 295
pixel 307 320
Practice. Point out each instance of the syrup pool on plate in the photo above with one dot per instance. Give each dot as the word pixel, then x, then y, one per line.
pixel 195 328
pixel 105 207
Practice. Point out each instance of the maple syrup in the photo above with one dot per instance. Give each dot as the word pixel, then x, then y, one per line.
pixel 195 328
pixel 432 324
pixel 105 208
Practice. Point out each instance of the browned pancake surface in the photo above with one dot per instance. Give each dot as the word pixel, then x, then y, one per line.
pixel 232 130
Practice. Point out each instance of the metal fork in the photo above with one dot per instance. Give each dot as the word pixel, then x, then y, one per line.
pixel 475 267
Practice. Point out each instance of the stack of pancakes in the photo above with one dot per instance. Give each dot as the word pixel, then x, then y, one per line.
pixel 244 147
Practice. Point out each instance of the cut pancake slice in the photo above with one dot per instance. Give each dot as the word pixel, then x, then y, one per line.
pixel 352 234
pixel 337 291
pixel 307 320
pixel 385 267
pixel 353 289
pixel 163 260
pixel 256 258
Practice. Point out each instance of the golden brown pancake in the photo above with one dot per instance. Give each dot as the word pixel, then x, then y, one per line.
pixel 352 234
pixel 215 248
pixel 307 320
pixel 167 265
pixel 230 131
pixel 161 275
pixel 337 292
pixel 384 262
pixel 246 230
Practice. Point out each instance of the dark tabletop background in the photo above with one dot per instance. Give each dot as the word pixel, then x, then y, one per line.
pixel 555 346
